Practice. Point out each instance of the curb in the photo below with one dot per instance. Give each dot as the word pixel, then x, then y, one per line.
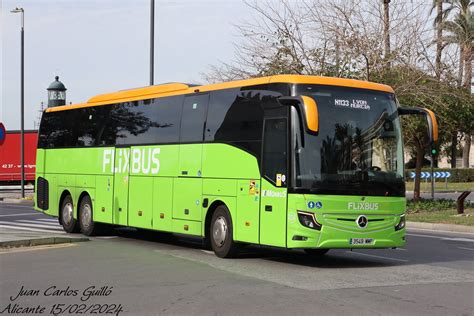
pixel 40 241
pixel 441 227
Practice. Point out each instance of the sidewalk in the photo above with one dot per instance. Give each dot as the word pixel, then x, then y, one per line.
pixel 16 238
pixel 441 227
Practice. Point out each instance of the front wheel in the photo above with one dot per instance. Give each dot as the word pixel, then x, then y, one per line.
pixel 68 221
pixel 88 226
pixel 221 233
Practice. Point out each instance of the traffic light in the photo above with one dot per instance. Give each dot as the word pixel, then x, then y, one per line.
pixel 434 151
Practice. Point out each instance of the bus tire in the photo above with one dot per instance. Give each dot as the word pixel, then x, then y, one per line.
pixel 69 223
pixel 316 252
pixel 221 233
pixel 86 222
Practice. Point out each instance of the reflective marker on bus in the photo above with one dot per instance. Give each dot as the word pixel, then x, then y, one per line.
pixel 290 161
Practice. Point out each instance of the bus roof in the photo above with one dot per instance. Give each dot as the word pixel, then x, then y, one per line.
pixel 170 89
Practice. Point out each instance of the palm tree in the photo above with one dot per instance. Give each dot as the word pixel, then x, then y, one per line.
pixel 461 32
pixel 438 21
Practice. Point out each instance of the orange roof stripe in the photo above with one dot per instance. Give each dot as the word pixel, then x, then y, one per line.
pixel 140 92
pixel 181 88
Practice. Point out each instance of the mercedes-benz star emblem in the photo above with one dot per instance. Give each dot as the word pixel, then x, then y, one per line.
pixel 362 221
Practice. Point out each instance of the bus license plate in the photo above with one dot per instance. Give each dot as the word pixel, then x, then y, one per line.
pixel 361 241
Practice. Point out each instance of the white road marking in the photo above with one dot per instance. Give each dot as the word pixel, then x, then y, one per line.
pixel 208 252
pixel 22 214
pixel 106 237
pixel 425 236
pixel 32 229
pixel 444 237
pixel 48 220
pixel 375 256
pixel 439 231
pixel 466 248
pixel 56 227
pixel 459 239
pixel 402 249
pixel 54 223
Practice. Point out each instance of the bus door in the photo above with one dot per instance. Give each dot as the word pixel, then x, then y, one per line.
pixel 273 201
pixel 187 197
pixel 121 185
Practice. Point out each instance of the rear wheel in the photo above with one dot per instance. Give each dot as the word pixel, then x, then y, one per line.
pixel 68 221
pixel 221 233
pixel 316 252
pixel 88 226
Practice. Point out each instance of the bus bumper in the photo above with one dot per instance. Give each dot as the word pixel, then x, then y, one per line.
pixel 333 238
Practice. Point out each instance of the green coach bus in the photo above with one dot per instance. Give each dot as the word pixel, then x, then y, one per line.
pixel 288 161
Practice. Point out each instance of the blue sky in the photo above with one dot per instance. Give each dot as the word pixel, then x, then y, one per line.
pixel 103 46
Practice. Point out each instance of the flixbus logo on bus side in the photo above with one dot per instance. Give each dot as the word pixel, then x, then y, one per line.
pixel 139 160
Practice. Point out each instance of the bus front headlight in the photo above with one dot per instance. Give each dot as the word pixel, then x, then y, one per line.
pixel 401 224
pixel 308 220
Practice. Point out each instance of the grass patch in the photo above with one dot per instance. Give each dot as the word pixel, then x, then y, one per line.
pixel 443 217
pixel 441 186
pixel 439 211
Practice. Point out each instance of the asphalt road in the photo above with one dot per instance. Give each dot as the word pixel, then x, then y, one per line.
pixel 150 274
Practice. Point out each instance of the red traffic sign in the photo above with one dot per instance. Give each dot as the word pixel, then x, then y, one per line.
pixel 3 133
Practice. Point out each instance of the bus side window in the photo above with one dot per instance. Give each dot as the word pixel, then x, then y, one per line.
pixel 235 120
pixel 275 150
pixel 193 118
pixel 232 118
pixel 154 121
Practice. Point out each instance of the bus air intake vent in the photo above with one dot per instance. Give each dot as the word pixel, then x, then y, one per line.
pixel 42 193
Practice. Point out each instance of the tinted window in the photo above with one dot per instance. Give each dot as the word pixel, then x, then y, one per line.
pixel 194 116
pixel 91 128
pixel 234 117
pixel 146 122
pixel 358 150
pixel 56 130
pixel 138 122
pixel 79 127
pixel 275 150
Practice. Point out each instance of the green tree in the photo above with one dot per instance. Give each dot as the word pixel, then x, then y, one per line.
pixel 460 31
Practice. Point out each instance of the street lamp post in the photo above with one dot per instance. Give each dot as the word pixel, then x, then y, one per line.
pixel 22 106
pixel 152 40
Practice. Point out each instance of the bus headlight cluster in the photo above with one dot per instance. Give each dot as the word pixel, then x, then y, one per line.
pixel 401 224
pixel 308 220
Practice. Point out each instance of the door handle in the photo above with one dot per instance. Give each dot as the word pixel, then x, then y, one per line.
pixel 184 172
pixel 268 208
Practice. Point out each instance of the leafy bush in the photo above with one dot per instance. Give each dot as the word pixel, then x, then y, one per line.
pixel 457 174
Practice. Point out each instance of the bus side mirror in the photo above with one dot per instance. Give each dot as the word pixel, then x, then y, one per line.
pixel 430 118
pixel 307 110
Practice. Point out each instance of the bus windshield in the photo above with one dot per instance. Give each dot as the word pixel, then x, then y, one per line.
pixel 358 149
